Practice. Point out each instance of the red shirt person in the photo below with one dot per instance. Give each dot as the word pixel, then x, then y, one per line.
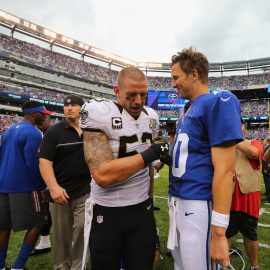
pixel 246 196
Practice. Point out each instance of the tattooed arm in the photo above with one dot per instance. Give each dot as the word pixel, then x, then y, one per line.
pixel 104 169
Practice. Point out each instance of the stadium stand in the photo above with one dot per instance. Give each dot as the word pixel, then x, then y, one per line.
pixel 236 82
pixel 36 55
pixel 253 108
pixel 33 54
pixel 28 71
pixel 7 120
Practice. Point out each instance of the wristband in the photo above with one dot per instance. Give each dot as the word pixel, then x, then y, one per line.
pixel 220 220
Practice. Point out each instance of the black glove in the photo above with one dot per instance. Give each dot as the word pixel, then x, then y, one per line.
pixel 155 151
pixel 166 159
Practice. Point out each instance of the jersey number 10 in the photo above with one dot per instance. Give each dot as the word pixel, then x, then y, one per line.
pixel 180 154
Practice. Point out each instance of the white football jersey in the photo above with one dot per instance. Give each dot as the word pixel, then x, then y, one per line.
pixel 127 137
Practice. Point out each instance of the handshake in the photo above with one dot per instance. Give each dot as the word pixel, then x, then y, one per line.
pixel 158 150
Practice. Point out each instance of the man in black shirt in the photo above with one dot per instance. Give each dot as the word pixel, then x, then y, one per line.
pixel 63 167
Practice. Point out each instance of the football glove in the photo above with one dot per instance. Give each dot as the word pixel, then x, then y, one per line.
pixel 166 159
pixel 155 151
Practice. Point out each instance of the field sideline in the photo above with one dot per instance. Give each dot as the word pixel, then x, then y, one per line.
pixel 44 262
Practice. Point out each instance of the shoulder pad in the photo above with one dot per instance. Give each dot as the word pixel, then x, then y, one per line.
pixel 94 114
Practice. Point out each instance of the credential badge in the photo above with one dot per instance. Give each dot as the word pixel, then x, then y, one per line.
pixel 152 123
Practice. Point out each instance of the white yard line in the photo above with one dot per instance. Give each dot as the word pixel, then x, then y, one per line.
pixel 264 225
pixel 260 244
pixel 160 197
pixel 262 210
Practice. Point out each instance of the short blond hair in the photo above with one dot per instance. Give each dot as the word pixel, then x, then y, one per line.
pixel 132 73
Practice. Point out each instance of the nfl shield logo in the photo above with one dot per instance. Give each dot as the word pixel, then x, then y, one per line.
pixel 99 219
pixel 152 123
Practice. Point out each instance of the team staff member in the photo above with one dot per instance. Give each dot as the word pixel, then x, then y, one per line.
pixel 203 166
pixel 117 145
pixel 63 167
pixel 246 197
pixel 21 183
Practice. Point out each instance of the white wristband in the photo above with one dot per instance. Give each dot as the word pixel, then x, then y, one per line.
pixel 220 220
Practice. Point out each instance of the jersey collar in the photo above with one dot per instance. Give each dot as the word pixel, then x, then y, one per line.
pixel 121 108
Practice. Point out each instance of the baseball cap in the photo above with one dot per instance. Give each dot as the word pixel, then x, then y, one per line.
pixel 73 99
pixel 41 109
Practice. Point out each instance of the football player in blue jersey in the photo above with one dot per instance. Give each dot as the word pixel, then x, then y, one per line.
pixel 202 167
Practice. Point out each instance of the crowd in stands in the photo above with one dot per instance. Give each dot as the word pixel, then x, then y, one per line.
pixel 37 55
pixel 258 133
pixel 237 82
pixel 2 86
pixel 7 120
pixel 254 108
pixel 42 94
pixel 169 113
pixel 32 92
pixel 249 108
pixel 58 62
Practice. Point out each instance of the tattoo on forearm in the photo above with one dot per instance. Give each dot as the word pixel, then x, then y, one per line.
pixel 96 149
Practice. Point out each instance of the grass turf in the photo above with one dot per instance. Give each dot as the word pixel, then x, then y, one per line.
pixel 44 262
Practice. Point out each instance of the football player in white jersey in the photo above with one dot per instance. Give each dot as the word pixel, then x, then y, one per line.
pixel 118 149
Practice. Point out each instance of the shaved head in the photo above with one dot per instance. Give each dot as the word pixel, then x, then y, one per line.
pixel 131 90
pixel 132 73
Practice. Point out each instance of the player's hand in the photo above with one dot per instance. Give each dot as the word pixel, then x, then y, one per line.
pixel 166 160
pixel 164 157
pixel 59 195
pixel 219 247
pixel 155 151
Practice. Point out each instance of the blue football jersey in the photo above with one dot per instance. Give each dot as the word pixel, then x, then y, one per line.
pixel 211 120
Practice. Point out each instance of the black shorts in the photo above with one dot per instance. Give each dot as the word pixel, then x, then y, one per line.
pixel 127 233
pixel 22 211
pixel 244 223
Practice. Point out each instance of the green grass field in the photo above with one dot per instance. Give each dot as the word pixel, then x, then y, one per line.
pixel 44 262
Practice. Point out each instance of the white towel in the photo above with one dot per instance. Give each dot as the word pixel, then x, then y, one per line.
pixel 172 237
pixel 87 229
